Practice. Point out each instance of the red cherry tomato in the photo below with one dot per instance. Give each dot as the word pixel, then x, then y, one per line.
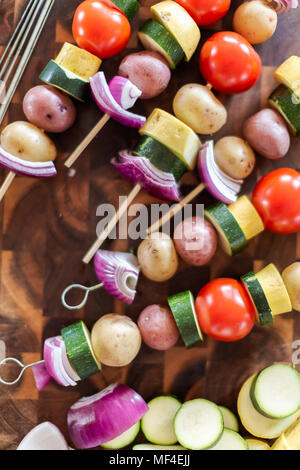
pixel 101 28
pixel 229 63
pixel 277 200
pixel 205 11
pixel 224 310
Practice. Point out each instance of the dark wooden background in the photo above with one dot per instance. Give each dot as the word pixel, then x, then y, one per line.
pixel 47 226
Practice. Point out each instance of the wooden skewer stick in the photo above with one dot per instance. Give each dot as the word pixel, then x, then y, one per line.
pixel 86 141
pixel 122 209
pixel 156 226
pixel 6 184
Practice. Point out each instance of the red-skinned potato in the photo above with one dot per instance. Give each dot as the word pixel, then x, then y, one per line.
pixel 196 241
pixel 49 109
pixel 147 70
pixel 267 133
pixel 158 328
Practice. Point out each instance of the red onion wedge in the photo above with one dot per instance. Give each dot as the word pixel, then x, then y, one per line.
pixel 124 91
pixel 41 376
pixel 139 170
pixel 218 184
pixel 45 436
pixel 24 167
pixel 119 273
pixel 94 420
pixel 107 103
pixel 283 6
pixel 55 362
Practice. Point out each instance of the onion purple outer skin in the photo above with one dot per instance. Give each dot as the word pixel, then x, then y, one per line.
pixel 139 170
pixel 41 376
pixel 27 168
pixel 94 420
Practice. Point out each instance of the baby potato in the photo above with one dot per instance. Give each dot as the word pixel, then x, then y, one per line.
pixel 148 70
pixel 158 327
pixel 235 157
pixel 28 142
pixel 267 133
pixel 116 340
pixel 291 278
pixel 255 20
pixel 197 106
pixel 196 241
pixel 48 108
pixel 157 257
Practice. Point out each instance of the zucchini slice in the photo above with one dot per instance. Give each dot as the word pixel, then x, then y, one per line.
pixel 179 138
pixel 263 311
pixel 183 309
pixel 231 236
pixel 160 156
pixel 155 37
pixel 155 447
pixel 128 7
pixel 230 440
pixel 157 423
pixel 247 217
pixel 274 288
pixel 275 391
pixel 124 439
pixel 288 105
pixel 292 436
pixel 230 420
pixel 288 74
pixel 254 422
pixel 281 443
pixel 179 24
pixel 256 444
pixel 79 349
pixel 198 424
pixel 78 61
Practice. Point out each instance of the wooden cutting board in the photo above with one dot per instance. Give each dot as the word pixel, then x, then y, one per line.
pixel 47 226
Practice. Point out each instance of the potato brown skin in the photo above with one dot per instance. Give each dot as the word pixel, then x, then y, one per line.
pixel 158 327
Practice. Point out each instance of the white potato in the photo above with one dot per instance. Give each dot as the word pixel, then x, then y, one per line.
pixel 116 340
pixel 198 107
pixel 255 20
pixel 28 142
pixel 291 278
pixel 235 157
pixel 157 257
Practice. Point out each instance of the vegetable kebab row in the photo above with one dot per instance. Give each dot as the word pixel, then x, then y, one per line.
pixel 25 149
pixel 268 407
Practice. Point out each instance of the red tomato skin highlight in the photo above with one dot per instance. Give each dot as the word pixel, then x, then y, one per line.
pixel 229 63
pixel 224 310
pixel 276 198
pixel 205 12
pixel 100 28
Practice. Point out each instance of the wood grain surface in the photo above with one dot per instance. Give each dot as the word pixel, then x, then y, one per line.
pixel 47 226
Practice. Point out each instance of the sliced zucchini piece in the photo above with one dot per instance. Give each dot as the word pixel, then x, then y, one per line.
pixel 230 440
pixel 247 217
pixel 254 422
pixel 231 237
pixel 160 156
pixel 179 138
pixel 155 447
pixel 155 37
pixel 179 24
pixel 275 391
pixel 78 61
pixel 198 424
pixel 230 420
pixel 256 444
pixel 292 436
pixel 256 293
pixel 183 309
pixel 281 443
pixel 274 289
pixel 77 339
pixel 288 105
pixel 157 423
pixel 288 74
pixel 124 439
pixel 128 7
